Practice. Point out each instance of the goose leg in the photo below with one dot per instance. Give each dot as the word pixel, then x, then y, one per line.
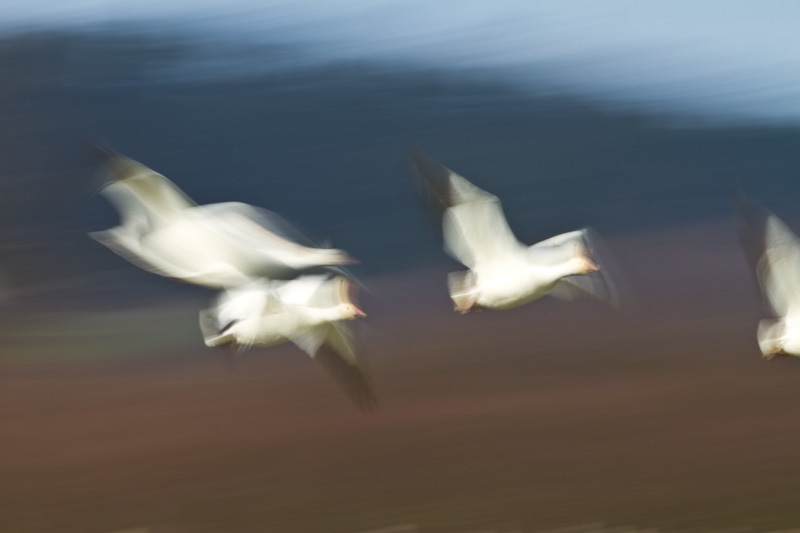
pixel 470 306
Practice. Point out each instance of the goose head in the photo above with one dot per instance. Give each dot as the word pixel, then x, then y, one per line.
pixel 349 311
pixel 584 265
pixel 581 264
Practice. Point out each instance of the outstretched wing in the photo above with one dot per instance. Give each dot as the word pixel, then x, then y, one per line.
pixel 594 285
pixel 773 253
pixel 147 185
pixel 332 345
pixel 473 223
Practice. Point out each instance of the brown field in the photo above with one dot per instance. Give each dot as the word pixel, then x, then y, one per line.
pixel 662 416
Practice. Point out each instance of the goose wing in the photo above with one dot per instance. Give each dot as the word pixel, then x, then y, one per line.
pixel 148 186
pixel 773 253
pixel 473 223
pixel 333 346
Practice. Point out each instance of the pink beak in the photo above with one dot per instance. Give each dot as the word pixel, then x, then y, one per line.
pixel 352 297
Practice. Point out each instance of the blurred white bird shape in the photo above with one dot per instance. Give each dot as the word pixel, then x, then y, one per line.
pixel 311 311
pixel 217 245
pixel 773 252
pixel 503 273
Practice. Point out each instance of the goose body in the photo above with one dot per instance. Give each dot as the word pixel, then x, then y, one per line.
pixel 503 273
pixel 311 311
pixel 217 245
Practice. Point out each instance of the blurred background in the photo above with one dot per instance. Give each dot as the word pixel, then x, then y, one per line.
pixel 635 118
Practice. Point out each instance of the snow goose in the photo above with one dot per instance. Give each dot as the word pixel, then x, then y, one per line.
pixel 773 253
pixel 217 245
pixel 503 273
pixel 311 311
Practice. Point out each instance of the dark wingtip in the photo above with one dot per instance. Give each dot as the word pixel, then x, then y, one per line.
pixel 752 220
pixel 746 207
pixel 414 149
pixel 351 378
pixel 361 393
pixel 739 197
pixel 365 398
pixel 369 405
pixel 117 165
pixel 434 176
pixel 417 155
pixel 425 165
pixel 750 213
pixel 105 155
pixel 102 151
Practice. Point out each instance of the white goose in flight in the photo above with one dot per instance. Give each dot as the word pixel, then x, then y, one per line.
pixel 311 311
pixel 773 253
pixel 217 245
pixel 503 273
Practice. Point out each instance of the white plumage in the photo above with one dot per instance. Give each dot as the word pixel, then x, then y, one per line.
pixel 773 251
pixel 503 273
pixel 275 287
pixel 217 245
pixel 311 311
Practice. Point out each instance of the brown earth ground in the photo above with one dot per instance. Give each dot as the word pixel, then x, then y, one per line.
pixel 661 416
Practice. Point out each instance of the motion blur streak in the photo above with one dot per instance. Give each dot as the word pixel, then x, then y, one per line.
pixel 633 118
pixel 217 245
